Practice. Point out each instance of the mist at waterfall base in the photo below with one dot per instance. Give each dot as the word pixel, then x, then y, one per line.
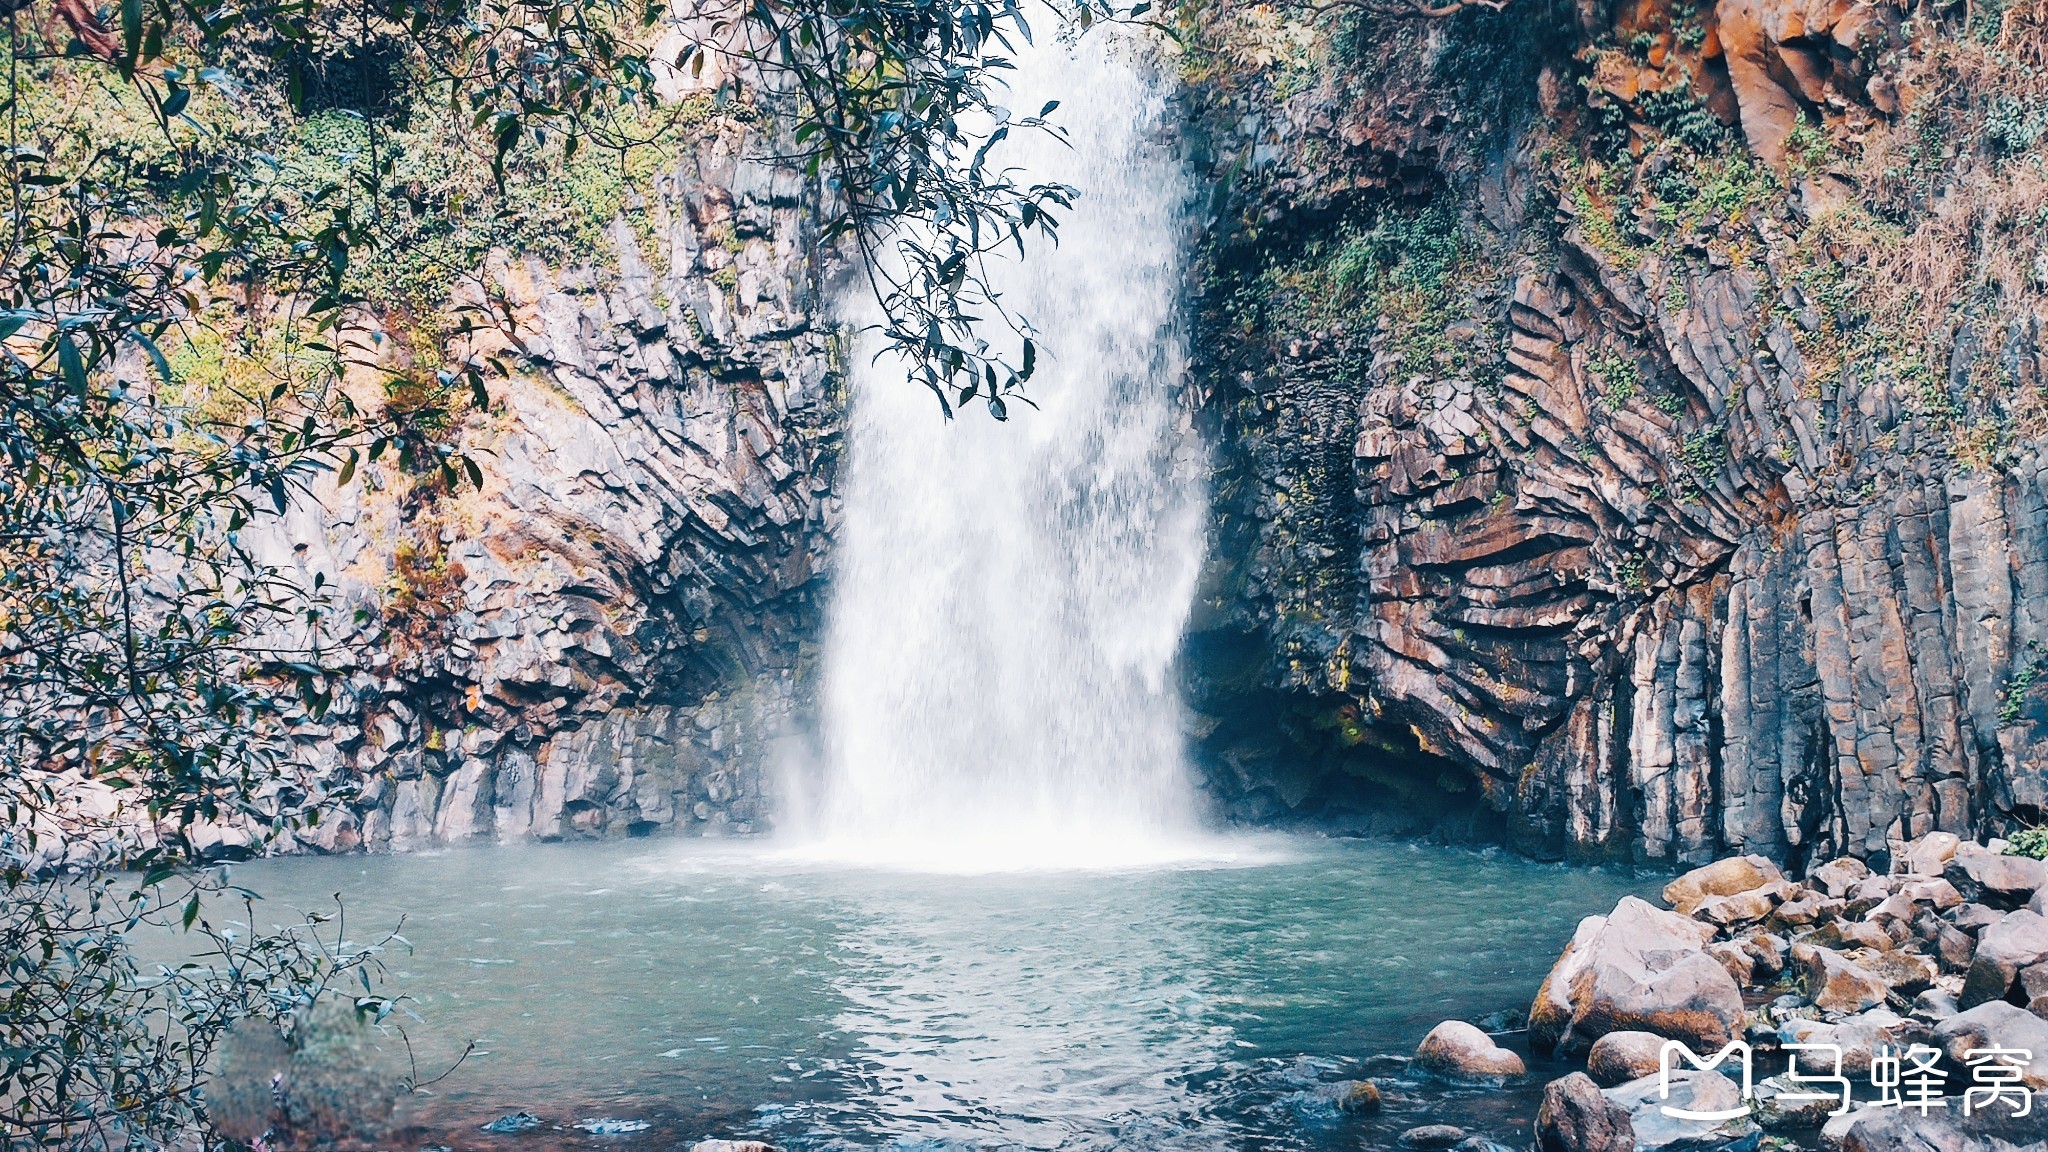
pixel 723 990
pixel 1008 597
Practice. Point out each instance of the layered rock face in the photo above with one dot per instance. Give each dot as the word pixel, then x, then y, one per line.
pixel 1630 427
pixel 605 633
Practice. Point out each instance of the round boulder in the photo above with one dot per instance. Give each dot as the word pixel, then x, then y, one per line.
pixel 1620 1057
pixel 1459 1051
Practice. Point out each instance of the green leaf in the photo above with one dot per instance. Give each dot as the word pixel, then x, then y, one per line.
pixel 70 363
pixel 191 910
pixel 156 357
pixel 131 35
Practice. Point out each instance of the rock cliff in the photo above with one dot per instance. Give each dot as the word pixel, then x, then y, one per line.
pixel 605 632
pixel 1628 423
pixel 1629 420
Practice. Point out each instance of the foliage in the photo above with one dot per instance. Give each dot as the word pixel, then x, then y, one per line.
pixel 1620 378
pixel 222 228
pixel 2021 682
pixel 2031 842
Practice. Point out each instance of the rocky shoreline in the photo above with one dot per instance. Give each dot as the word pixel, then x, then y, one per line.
pixel 1833 988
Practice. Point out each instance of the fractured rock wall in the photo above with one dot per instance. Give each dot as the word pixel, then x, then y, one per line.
pixel 607 634
pixel 1575 487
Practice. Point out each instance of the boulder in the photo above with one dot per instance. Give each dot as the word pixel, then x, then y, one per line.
pixel 2034 988
pixel 1939 1130
pixel 1459 1051
pixel 1859 1037
pixel 1637 968
pixel 1776 1113
pixel 1997 1025
pixel 1620 1057
pixel 1750 907
pixel 1431 1136
pixel 1835 983
pixel 1694 1091
pixel 1935 1004
pixel 1576 1117
pixel 1906 973
pixel 1839 877
pixel 1953 948
pixel 1938 892
pixel 1736 874
pixel 1928 855
pixel 2015 942
pixel 1735 958
pixel 732 1146
pixel 2004 882
pixel 1974 918
pixel 1808 907
pixel 1359 1097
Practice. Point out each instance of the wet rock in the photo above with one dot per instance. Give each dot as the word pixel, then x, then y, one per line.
pixel 513 1124
pixel 1576 1117
pixel 1708 1092
pixel 2015 942
pixel 732 1146
pixel 1722 878
pixel 1359 1097
pixel 1457 1050
pixel 1835 983
pixel 1620 1057
pixel 1432 1136
pixel 1637 968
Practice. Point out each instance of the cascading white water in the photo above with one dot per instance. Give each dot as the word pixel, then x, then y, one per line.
pixel 1010 596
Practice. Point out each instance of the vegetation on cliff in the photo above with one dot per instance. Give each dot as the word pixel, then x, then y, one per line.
pixel 233 243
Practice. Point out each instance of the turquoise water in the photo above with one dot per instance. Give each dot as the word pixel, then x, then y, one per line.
pixel 731 990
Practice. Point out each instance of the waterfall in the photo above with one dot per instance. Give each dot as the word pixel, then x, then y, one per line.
pixel 1009 597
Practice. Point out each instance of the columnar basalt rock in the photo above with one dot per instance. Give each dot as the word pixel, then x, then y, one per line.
pixel 605 635
pixel 1633 550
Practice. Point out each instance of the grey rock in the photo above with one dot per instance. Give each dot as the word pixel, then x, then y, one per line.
pixel 1432 1136
pixel 2015 942
pixel 1460 1051
pixel 1576 1117
pixel 2003 882
pixel 1646 1099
